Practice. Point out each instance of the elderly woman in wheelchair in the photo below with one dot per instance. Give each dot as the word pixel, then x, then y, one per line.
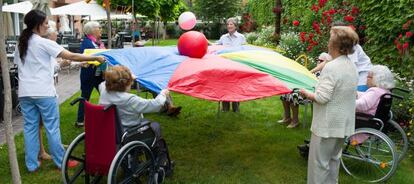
pixel 118 141
pixel 372 153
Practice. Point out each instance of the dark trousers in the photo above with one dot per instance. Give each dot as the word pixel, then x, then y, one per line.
pixel 226 106
pixel 88 82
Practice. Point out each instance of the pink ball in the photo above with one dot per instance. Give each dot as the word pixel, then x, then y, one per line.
pixel 193 44
pixel 187 21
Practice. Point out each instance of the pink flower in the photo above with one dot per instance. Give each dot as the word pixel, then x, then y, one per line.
pixel 408 34
pixel 296 23
pixel 405 45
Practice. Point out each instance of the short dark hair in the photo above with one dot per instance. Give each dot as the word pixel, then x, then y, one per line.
pixel 344 39
pixel 118 78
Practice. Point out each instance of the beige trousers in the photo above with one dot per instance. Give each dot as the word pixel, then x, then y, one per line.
pixel 324 160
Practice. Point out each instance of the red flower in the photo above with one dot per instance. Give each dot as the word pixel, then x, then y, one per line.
pixel 405 45
pixel 362 28
pixel 322 3
pixel 400 36
pixel 309 48
pixel 296 23
pixel 349 18
pixel 316 27
pixel 408 34
pixel 315 8
pixel 302 36
pixel 398 46
pixel 332 11
pixel 354 10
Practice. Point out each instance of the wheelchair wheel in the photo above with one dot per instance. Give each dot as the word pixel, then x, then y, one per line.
pixel 76 151
pixel 369 155
pixel 134 163
pixel 399 137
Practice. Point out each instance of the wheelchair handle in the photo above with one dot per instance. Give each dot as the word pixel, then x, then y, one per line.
pixel 400 89
pixel 76 100
pixel 397 96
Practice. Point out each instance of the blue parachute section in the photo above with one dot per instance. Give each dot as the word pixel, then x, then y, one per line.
pixel 153 66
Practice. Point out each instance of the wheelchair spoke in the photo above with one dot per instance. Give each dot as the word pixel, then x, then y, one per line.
pixel 76 175
pixel 142 167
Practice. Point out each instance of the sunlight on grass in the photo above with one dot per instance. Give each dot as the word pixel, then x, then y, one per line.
pixel 245 147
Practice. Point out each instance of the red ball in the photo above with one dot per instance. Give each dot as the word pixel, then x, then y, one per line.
pixel 193 44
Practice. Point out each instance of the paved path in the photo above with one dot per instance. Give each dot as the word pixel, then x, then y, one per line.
pixel 67 86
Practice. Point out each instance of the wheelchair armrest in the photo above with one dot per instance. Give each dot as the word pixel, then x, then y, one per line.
pixel 77 100
pixel 363 116
pixel 367 120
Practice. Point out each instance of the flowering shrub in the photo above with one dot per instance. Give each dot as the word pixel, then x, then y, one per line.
pixel 248 24
pixel 314 33
pixel 291 44
pixel 266 37
pixel 251 37
pixel 405 39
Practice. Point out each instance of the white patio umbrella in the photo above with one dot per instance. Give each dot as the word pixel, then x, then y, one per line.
pixel 22 7
pixel 80 8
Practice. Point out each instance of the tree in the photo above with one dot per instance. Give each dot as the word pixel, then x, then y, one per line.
pixel 216 10
pixel 170 10
pixel 149 8
pixel 278 12
pixel 7 111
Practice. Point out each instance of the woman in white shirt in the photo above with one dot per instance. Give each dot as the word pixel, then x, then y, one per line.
pixel 233 39
pixel 334 107
pixel 37 93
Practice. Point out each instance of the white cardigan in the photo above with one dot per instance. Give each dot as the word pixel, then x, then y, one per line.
pixel 335 94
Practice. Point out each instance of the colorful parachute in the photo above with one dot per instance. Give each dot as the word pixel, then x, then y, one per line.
pixel 224 74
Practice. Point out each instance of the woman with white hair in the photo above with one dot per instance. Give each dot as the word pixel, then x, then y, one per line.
pixel 379 81
pixel 233 39
pixel 90 76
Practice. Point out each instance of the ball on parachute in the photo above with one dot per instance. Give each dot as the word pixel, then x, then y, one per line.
pixel 192 44
pixel 187 20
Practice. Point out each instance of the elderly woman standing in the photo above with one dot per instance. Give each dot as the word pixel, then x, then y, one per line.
pixel 233 39
pixel 334 107
pixel 37 93
pixel 90 76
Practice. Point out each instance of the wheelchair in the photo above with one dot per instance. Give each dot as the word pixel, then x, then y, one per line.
pixel 134 155
pixel 373 152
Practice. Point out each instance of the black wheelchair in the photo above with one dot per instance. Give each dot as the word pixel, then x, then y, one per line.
pixel 373 152
pixel 134 155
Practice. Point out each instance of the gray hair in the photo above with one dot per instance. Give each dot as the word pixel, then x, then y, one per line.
pixel 88 27
pixel 382 77
pixel 233 20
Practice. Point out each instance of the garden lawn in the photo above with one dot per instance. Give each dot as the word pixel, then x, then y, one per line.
pixel 246 147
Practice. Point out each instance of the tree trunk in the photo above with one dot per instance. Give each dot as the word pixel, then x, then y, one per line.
pixel 108 16
pixel 278 13
pixel 7 112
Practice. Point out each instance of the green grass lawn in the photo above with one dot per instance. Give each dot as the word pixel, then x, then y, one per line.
pixel 246 147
